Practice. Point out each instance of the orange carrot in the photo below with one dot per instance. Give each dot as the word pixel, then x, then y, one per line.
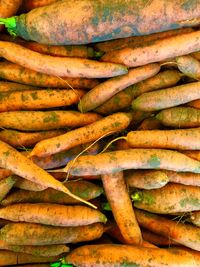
pixel 132 159
pixel 109 88
pixel 186 178
pixel 194 104
pixel 45 120
pixel 158 51
pixel 5 185
pixel 167 98
pixel 170 229
pixel 189 65
pixel 59 66
pixel 196 55
pixel 110 124
pixel 182 139
pixel 39 99
pixel 121 144
pixel 120 255
pixel 180 117
pixel 10 86
pixel 146 179
pixel 83 189
pixel 169 199
pixel 114 186
pixel 17 73
pixel 4 173
pixel 38 234
pixel 195 218
pixel 27 184
pixel 31 4
pixel 150 124
pixel 192 154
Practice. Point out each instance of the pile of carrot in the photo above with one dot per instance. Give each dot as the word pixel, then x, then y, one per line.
pixel 99 133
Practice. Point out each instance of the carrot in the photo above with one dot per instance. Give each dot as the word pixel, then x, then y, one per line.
pixel 131 159
pixel 39 99
pixel 11 258
pixel 83 189
pixel 31 4
pixel 186 178
pixel 189 66
pixel 194 253
pixel 195 218
pixel 4 173
pixel 11 86
pixel 182 139
pixel 17 73
pixel 5 185
pixel 167 98
pixel 194 104
pixel 138 41
pixel 110 124
pixel 124 98
pixel 146 179
pixel 196 55
pixel 27 184
pixel 114 20
pixel 180 117
pixel 150 124
pixel 169 199
pixel 114 185
pixel 192 154
pixel 170 229
pixel 38 234
pixel 120 255
pixel 59 66
pixel 8 8
pixel 45 120
pixel 157 51
pixel 52 214
pixel 11 159
pixel 106 90
pixel 121 144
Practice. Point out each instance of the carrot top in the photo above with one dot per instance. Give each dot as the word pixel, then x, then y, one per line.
pixel 10 24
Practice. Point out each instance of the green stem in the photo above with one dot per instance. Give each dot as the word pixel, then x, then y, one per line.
pixel 137 196
pixel 98 54
pixel 10 24
pixel 106 206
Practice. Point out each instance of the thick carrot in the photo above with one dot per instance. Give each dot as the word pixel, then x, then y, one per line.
pixel 39 99
pixel 150 124
pixel 5 185
pixel 27 184
pixel 146 179
pixel 14 258
pixel 186 178
pixel 17 73
pixel 122 209
pixel 132 159
pixel 16 162
pixel 189 65
pixel 194 104
pixel 11 86
pixel 192 154
pixel 167 98
pixel 26 139
pixel 195 218
pixel 170 229
pixel 31 4
pixel 45 120
pixel 157 51
pixel 180 117
pixel 182 139
pixel 169 199
pixel 138 41
pixel 123 255
pixel 110 124
pixel 8 8
pixel 52 214
pixel 59 66
pixel 114 20
pixel 157 240
pixel 104 91
pixel 83 189
pixel 124 98
pixel 38 234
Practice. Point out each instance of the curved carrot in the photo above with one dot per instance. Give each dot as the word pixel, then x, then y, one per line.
pixel 11 86
pixel 59 66
pixel 189 65
pixel 106 90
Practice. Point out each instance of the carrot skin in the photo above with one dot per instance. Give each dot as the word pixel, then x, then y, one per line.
pixel 186 178
pixel 31 4
pixel 12 86
pixel 189 66
pixel 5 185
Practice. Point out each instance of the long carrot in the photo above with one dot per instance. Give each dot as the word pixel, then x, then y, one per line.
pixel 124 255
pixel 114 186
pixel 5 185
pixel 11 86
pixel 189 65
pixel 110 124
pixel 182 139
pixel 59 66
pixel 104 91
pixel 38 234
pixel 169 199
pixel 16 162
pixel 146 179
pixel 102 20
pixel 132 159
pixel 166 98
pixel 124 98
pixel 195 218
pixel 83 189
pixel 186 178
pixel 180 117
pixel 45 120
pixel 158 51
pixel 31 4
pixel 39 99
pixel 17 73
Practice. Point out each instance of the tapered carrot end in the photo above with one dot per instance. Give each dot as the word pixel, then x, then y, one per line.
pixel 10 24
